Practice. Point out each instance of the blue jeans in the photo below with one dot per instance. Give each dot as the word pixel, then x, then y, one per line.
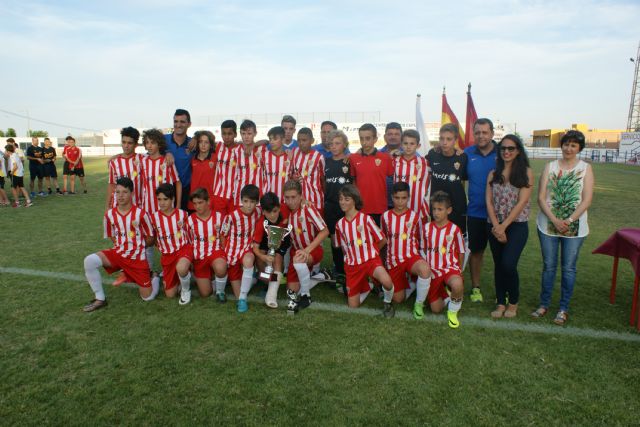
pixel 505 261
pixel 570 248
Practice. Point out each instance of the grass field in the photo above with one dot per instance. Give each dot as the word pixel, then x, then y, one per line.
pixel 162 364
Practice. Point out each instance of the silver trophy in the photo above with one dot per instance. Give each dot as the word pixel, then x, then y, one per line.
pixel 275 236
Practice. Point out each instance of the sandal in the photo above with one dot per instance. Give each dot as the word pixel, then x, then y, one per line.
pixel 512 311
pixel 561 318
pixel 499 311
pixel 94 305
pixel 539 313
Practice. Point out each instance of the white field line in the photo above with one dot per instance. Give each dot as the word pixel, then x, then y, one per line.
pixel 465 321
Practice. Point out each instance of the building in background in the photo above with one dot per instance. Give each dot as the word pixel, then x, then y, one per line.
pixel 594 138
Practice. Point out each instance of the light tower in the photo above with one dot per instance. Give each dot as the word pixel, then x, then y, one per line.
pixel 633 122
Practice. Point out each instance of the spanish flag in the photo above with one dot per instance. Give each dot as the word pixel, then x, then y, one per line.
pixel 449 117
pixel 471 118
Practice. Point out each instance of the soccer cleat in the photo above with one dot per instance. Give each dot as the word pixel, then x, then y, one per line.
pixel 388 311
pixel 305 301
pixel 476 295
pixel 242 305
pixel 85 191
pixel 221 297
pixel 418 311
pixel 292 305
pixel 42 194
pixel 185 297
pixel 29 204
pixel 453 319
pixel 32 194
pixel 94 305
pixel 16 205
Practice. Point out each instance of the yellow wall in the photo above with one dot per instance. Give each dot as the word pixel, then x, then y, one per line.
pixel 609 138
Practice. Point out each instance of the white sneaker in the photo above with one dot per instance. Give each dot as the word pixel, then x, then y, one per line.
pixel 185 297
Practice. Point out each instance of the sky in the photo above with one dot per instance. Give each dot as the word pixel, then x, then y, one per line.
pixel 104 65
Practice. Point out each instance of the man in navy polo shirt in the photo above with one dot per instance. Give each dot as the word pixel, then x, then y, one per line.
pixel 179 147
pixel 481 161
pixel 393 147
pixel 323 148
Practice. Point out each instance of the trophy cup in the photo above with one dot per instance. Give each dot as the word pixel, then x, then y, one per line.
pixel 275 236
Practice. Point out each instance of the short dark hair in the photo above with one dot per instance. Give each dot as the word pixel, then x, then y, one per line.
pixel 251 192
pixel 330 123
pixel 352 192
pixel 47 139
pixel 155 135
pixel 411 133
pixel 276 131
pixel 287 118
pixel 229 124
pixel 292 184
pixel 125 182
pixel 440 197
pixel 306 131
pixel 11 140
pixel 369 127
pixel 199 193
pixel 484 121
pixel 69 138
pixel 269 201
pixel 10 148
pixel 399 187
pixel 182 112
pixel 393 125
pixel 573 136
pixel 450 127
pixel 167 189
pixel 131 132
pixel 248 124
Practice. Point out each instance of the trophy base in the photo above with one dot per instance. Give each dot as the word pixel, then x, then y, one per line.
pixel 266 277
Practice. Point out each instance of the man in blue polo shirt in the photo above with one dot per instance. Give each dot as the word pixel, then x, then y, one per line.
pixel 179 147
pixel 481 161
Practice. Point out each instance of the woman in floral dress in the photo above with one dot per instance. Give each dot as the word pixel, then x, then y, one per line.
pixel 565 193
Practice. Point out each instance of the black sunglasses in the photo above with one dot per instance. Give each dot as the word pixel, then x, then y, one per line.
pixel 510 149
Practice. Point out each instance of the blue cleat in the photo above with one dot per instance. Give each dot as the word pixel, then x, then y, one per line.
pixel 242 306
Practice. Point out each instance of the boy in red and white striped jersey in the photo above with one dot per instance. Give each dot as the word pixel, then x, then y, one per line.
pixel 401 226
pixel 249 161
pixel 155 170
pixel 276 164
pixel 309 230
pixel 204 232
pixel 172 238
pixel 307 167
pixel 224 180
pixel 361 240
pixel 129 227
pixel 414 170
pixel 127 164
pixel 237 232
pixel 443 247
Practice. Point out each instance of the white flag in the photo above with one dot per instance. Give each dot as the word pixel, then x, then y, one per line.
pixel 424 139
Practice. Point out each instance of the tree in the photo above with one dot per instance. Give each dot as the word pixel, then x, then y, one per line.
pixel 38 133
pixel 11 132
pixel 1 133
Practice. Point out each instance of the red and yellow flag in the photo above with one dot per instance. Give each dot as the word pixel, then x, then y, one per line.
pixel 471 118
pixel 449 117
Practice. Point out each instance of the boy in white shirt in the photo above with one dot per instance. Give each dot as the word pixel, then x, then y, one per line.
pixel 17 177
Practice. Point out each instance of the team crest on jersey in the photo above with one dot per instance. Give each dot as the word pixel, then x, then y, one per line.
pixel 180 223
pixel 211 165
pixel 409 224
pixel 135 223
pixel 378 161
pixel 456 165
pixel 163 167
pixel 287 163
pixel 418 165
pixel 225 227
pixel 449 238
pixel 301 218
pixel 360 228
pixel 345 169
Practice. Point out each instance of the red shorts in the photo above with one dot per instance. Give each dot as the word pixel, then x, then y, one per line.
pixel 202 267
pixel 135 269
pixel 220 204
pixel 234 271
pixel 169 262
pixel 292 275
pixel 400 272
pixel 437 289
pixel 357 276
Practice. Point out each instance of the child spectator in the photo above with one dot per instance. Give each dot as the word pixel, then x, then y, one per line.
pixel 49 167
pixel 17 177
pixel 73 166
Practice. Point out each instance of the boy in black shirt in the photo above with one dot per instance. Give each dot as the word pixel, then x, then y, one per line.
pixel 448 171
pixel 49 167
pixel 34 154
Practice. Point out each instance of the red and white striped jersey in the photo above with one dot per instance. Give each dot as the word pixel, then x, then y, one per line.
pixel 425 210
pixel 224 180
pixel 249 170
pixel 155 172
pixel 129 231
pixel 131 167
pixel 414 172
pixel 276 167
pixel 358 238
pixel 307 223
pixel 441 247
pixel 171 231
pixel 205 234
pixel 403 233
pixel 310 167
pixel 238 229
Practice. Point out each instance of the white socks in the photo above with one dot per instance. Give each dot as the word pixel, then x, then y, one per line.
pixel 454 306
pixel 220 283
pixel 422 289
pixel 185 282
pixel 304 275
pixel 155 288
pixel 245 284
pixel 91 265
pixel 388 294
